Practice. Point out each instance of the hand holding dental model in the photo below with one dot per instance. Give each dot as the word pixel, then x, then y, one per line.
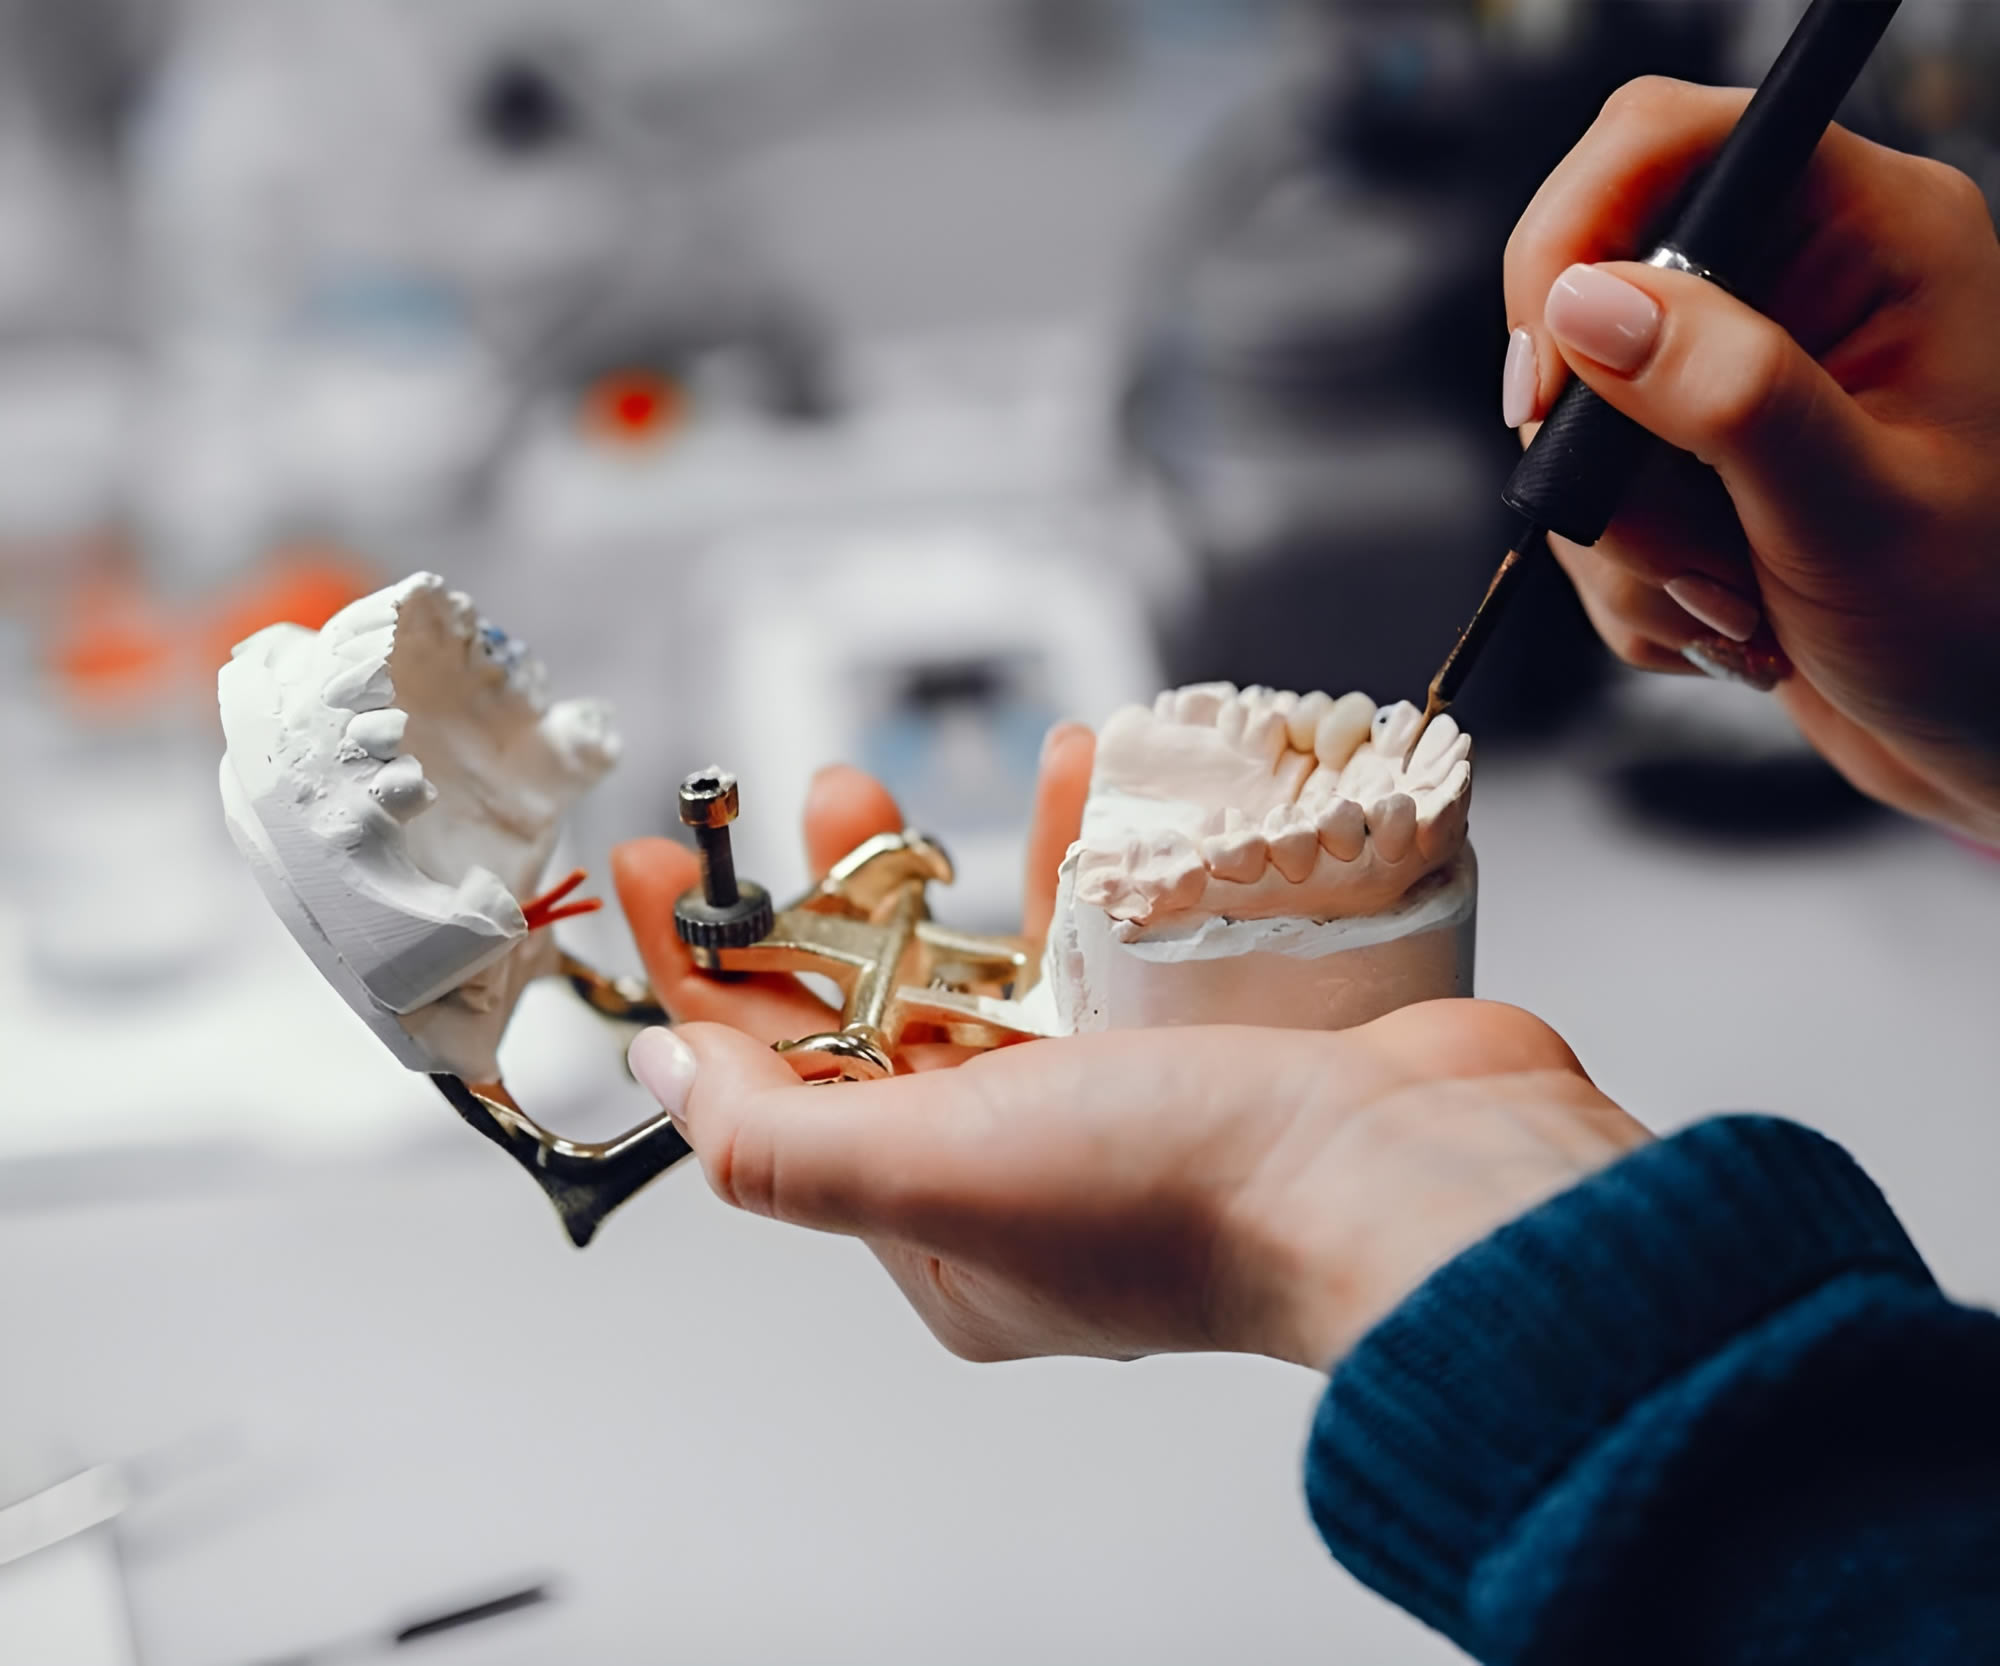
pixel 1858 497
pixel 1132 1192
pixel 1834 495
pixel 397 781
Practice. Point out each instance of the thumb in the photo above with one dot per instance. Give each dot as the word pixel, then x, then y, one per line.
pixel 854 1158
pixel 1712 376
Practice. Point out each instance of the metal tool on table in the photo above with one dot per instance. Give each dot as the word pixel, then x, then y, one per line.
pixel 866 925
pixel 1576 472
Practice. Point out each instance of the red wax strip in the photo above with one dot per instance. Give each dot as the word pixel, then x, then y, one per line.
pixel 549 907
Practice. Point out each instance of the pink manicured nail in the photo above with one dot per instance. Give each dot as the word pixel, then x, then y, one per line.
pixel 1520 381
pixel 1603 317
pixel 664 1067
pixel 1736 617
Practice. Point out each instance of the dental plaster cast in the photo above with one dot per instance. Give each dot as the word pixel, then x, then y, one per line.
pixel 1261 857
pixel 397 780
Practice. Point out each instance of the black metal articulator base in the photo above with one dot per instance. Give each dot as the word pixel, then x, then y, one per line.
pixel 586 1183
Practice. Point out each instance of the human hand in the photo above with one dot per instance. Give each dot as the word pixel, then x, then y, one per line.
pixel 1836 495
pixel 1270 1192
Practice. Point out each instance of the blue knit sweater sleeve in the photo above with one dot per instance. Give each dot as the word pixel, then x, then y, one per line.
pixel 1709 1406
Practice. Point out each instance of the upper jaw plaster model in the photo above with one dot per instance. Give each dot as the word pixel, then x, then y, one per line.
pixel 1257 857
pixel 398 781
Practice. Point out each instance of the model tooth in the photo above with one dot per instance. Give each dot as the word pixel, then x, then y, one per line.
pixel 463 616
pixel 1098 888
pixel 1215 821
pixel 1169 874
pixel 1439 739
pixel 1233 719
pixel 1442 813
pixel 360 688
pixel 366 646
pixel 400 788
pixel 1189 886
pixel 1342 730
pixel 1203 702
pixel 1165 703
pixel 1293 771
pixel 1241 857
pixel 1264 734
pixel 1342 829
pixel 378 734
pixel 1234 821
pixel 582 732
pixel 1319 790
pixel 1430 772
pixel 1369 778
pixel 363 618
pixel 1294 842
pixel 1100 877
pixel 1302 722
pixel 1395 727
pixel 1392 824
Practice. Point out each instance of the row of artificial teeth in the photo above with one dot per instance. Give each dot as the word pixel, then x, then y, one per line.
pixel 1170 871
pixel 1264 723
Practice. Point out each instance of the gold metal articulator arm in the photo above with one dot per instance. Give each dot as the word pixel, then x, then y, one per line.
pixel 866 926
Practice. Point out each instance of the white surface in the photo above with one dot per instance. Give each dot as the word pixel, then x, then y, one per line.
pixel 66 1606
pixel 731 1443
pixel 255 1053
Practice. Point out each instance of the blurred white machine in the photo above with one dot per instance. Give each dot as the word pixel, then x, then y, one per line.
pixel 935 656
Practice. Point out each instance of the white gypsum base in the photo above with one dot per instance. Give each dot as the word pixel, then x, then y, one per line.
pixel 1287 974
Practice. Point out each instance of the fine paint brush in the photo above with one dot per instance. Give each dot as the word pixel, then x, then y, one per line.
pixel 1571 479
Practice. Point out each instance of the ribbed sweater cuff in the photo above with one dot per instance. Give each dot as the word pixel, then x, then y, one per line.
pixel 1458 1410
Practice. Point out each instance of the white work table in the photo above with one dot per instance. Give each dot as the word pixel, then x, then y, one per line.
pixel 729 1442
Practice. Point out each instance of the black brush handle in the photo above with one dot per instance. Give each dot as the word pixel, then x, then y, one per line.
pixel 1575 474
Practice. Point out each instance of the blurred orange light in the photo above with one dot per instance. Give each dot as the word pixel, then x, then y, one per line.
pixel 303 584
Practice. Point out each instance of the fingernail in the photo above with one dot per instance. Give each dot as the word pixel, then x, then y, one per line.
pixel 1519 381
pixel 1731 662
pixel 1603 317
pixel 664 1066
pixel 1720 609
pixel 1059 735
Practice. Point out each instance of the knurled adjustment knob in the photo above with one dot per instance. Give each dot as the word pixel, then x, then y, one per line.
pixel 725 912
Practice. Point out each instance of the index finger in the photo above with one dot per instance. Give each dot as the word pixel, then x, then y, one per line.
pixel 1606 201
pixel 1611 190
pixel 651 875
pixel 1061 787
pixel 845 808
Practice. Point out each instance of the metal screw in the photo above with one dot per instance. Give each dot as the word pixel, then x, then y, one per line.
pixel 709 803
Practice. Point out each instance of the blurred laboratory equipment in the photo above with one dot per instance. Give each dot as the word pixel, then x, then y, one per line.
pixel 1313 383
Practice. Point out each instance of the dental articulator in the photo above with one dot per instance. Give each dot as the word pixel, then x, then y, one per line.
pixel 398 782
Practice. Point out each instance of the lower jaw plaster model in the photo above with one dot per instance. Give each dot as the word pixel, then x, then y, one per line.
pixel 1258 857
pixel 398 781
